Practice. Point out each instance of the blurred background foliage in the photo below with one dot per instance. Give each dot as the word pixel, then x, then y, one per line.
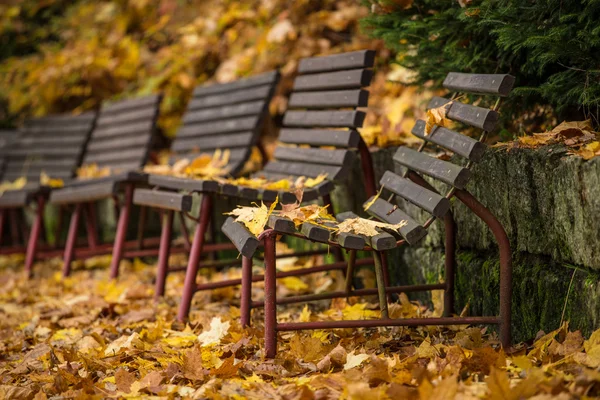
pixel 70 55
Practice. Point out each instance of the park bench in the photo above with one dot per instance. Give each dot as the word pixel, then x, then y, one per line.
pixel 412 188
pixel 333 83
pixel 53 145
pixel 226 117
pixel 122 138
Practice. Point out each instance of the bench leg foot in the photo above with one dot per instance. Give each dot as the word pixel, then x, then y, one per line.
pixel 449 264
pixel 189 286
pixel 71 239
pixel 246 295
pixel 379 276
pixel 117 254
pixel 270 297
pixel 34 236
pixel 163 254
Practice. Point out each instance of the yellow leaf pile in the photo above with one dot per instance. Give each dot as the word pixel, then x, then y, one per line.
pixel 204 166
pixel 255 218
pixel 17 184
pixel 92 171
pixel 45 180
pixel 89 337
pixel 367 227
pixel 291 184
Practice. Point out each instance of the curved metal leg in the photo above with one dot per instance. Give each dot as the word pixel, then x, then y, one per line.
pixel 505 261
pixel 449 263
pixel 117 253
pixel 379 275
pixel 71 238
pixel 270 296
pixel 163 254
pixel 246 295
pixel 34 236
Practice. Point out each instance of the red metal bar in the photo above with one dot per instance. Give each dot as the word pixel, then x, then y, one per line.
pixel 246 295
pixel 358 292
pixel 163 254
pixel 71 238
pixel 270 295
pixel 117 253
pixel 505 261
pixel 386 273
pixel 194 258
pixel 382 294
pixel 90 226
pixel 34 235
pixel 367 168
pixel 374 323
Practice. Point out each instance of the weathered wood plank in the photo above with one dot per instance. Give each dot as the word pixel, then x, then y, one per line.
pixel 315 232
pixel 130 104
pixel 478 117
pixel 499 84
pixel 241 237
pixel 223 112
pixel 126 117
pixel 445 171
pixel 424 198
pixel 163 199
pixel 320 137
pixel 351 79
pixel 241 96
pixel 460 144
pixel 219 127
pixel 326 119
pixel 350 60
pixel 308 170
pixel 191 185
pixel 329 99
pixel 281 224
pixel 266 78
pixel 83 193
pixel 337 157
pixel 380 242
pixel 232 140
pixel 412 231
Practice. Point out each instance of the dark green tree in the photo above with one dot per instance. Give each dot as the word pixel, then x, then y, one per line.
pixel 551 46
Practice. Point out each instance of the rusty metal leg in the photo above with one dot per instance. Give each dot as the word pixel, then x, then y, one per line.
pixel 337 252
pixel 189 286
pixel 380 284
pixel 34 235
pixel 71 239
pixel 505 261
pixel 350 270
pixel 163 254
pixel 449 263
pixel 386 274
pixel 117 253
pixel 246 295
pixel 270 296
pixel 185 232
pixel 90 227
pixel 141 227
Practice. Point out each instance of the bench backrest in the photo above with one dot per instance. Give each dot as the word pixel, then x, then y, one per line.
pixel 454 175
pixel 227 116
pixel 53 144
pixel 322 111
pixel 124 134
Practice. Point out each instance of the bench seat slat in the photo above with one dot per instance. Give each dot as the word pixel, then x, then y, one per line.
pixel 83 193
pixel 412 232
pixel 241 237
pixel 163 199
pixel 329 99
pixel 336 62
pixel 107 158
pixel 224 112
pixel 301 169
pixel 381 242
pixel 270 77
pixel 219 127
pixel 115 131
pixel 232 140
pixel 457 143
pixel 478 117
pixel 191 185
pixel 240 96
pixel 325 119
pixel 130 104
pixel 424 198
pixel 445 171
pixel 116 145
pixel 498 84
pixel 126 117
pixel 340 80
pixel 339 157
pixel 320 137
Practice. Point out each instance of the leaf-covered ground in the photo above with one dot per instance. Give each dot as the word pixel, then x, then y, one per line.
pixel 86 336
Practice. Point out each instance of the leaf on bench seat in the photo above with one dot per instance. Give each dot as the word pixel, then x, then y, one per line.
pixel 367 227
pixel 437 116
pixel 254 218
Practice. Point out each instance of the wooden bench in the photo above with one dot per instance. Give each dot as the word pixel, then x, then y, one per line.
pixel 122 138
pixel 323 111
pixel 228 117
pixel 53 145
pixel 413 188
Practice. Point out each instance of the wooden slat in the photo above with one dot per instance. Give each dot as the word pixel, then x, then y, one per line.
pixel 242 239
pixel 320 137
pixel 14 198
pixel 232 140
pixel 315 156
pixel 126 117
pixel 219 127
pixel 460 144
pixel 309 170
pixel 499 84
pixel 380 242
pixel 412 232
pixel 48 141
pixel 43 163
pixel 315 232
pixel 281 224
pixel 58 130
pixel 115 145
pixel 163 199
pixel 126 165
pixel 332 119
pixel 224 112
pixel 117 131
pixel 329 99
pixel 350 241
pixel 130 104
pixel 47 152
pixel 241 96
pixel 191 185
pixel 424 198
pixel 117 156
pixel 84 192
pixel 267 78
pixel 445 171
pixel 352 79
pixel 236 155
pixel 477 117
pixel 336 62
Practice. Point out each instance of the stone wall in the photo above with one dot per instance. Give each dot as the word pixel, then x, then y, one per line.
pixel 549 204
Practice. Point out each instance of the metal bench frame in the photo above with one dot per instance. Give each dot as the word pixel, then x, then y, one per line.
pixel 456 177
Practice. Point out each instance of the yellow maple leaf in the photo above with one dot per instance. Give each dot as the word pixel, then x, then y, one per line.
pixel 354 360
pixel 294 283
pixel 217 331
pixel 367 227
pixel 17 184
pixel 437 116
